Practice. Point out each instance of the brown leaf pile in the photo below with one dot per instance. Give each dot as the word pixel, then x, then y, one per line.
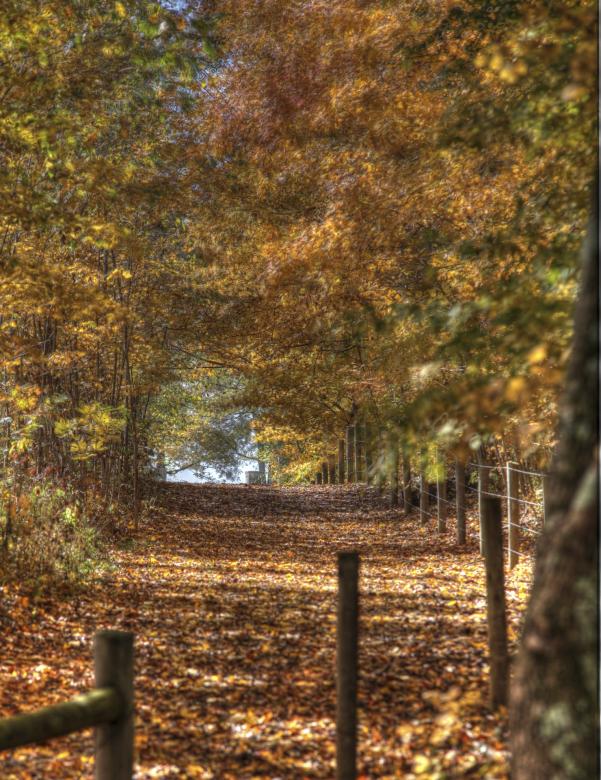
pixel 231 591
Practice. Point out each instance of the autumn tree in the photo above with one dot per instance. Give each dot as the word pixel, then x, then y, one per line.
pixel 555 706
pixel 94 197
pixel 393 257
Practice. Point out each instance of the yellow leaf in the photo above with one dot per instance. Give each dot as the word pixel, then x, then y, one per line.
pixel 421 764
pixel 537 355
pixel 515 388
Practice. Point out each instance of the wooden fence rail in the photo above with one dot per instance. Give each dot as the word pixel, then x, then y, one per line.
pixel 108 708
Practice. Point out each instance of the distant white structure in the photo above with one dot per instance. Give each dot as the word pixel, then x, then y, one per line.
pixel 161 466
pixel 257 477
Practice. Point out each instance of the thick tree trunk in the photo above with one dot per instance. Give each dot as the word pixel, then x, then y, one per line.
pixel 554 701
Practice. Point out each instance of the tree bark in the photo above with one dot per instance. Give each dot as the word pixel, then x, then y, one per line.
pixel 332 469
pixel 341 474
pixel 350 454
pixel 554 698
pixel 460 500
pixel 394 471
pixel 406 484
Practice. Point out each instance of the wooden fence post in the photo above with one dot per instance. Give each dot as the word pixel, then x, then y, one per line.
pixel 546 482
pixel 347 658
pixel 441 500
pixel 350 453
pixel 332 469
pixel 513 514
pixel 483 485
pixel 423 498
pixel 341 474
pixel 324 472
pixel 495 601
pixel 406 484
pixel 460 500
pixel 114 668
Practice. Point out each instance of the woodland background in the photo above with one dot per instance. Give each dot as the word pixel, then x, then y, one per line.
pixel 227 225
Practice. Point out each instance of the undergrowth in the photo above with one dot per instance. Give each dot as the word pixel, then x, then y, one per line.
pixel 56 535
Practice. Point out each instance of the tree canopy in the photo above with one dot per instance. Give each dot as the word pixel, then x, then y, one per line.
pixel 355 209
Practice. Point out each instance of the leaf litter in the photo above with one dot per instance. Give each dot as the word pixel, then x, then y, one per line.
pixel 231 592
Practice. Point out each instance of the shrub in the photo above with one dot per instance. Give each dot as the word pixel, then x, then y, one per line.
pixel 50 535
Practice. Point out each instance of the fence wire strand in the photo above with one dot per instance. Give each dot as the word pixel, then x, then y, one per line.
pixel 484 466
pixel 525 528
pixel 438 498
pixel 530 473
pixel 425 511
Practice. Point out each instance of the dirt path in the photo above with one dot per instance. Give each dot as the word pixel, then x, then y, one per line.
pixel 231 593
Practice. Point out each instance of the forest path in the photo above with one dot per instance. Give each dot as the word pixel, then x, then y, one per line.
pixel 231 592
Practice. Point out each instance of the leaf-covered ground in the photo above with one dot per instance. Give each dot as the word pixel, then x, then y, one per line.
pixel 231 593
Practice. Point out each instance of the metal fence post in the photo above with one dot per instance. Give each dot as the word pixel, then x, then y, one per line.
pixel 513 513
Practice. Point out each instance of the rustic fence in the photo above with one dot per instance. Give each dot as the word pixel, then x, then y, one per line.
pixel 503 492
pixel 108 708
pixel 354 463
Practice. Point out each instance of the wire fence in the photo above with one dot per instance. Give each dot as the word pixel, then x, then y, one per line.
pixel 424 511
pixel 530 473
pixel 508 466
pixel 484 466
pixel 513 530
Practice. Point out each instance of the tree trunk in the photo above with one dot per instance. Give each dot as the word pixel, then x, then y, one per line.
pixel 394 470
pixel 350 453
pixel 341 474
pixel 369 477
pixel 460 501
pixel 406 483
pixel 554 699
pixel 359 453
pixel 332 469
